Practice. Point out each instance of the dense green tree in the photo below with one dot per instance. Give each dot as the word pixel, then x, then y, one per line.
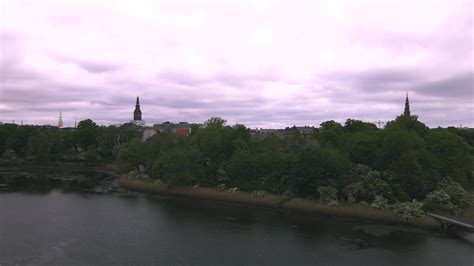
pixel 87 132
pixel 452 153
pixel 39 148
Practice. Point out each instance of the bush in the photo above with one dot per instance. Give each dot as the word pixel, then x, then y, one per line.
pixel 328 195
pixel 370 185
pixel 459 197
pixel 409 211
pixel 9 157
pixel 136 175
pixel 380 202
pixel 449 196
pixel 258 194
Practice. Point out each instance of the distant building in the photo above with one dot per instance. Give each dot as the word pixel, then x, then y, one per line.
pixel 149 132
pixel 181 128
pixel 60 120
pixel 137 115
pixel 305 132
pixel 406 112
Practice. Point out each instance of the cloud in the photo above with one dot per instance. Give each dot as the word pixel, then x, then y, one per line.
pixel 270 65
pixel 460 86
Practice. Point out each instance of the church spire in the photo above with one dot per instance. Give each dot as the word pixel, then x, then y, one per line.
pixel 137 114
pixel 60 120
pixel 406 113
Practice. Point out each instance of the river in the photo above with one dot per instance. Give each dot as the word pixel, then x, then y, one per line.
pixel 56 223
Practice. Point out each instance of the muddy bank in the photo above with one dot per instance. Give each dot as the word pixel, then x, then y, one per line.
pixel 277 203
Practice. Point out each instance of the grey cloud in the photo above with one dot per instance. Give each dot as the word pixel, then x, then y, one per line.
pixel 458 86
pixel 224 78
pixel 374 80
pixel 181 78
pixel 97 67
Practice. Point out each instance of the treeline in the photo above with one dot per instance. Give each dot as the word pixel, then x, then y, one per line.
pixel 354 162
pixel 88 143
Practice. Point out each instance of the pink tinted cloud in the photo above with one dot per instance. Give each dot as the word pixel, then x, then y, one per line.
pixel 262 63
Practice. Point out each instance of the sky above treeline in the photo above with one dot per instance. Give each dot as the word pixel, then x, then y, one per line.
pixel 264 64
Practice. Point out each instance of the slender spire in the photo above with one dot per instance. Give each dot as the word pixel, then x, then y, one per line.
pixel 406 113
pixel 137 114
pixel 60 120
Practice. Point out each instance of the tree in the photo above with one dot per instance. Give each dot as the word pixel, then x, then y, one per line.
pixel 331 133
pixel 130 156
pixel 453 155
pixel 87 132
pixel 410 124
pixel 327 194
pixel 318 167
pixel 179 166
pixel 39 148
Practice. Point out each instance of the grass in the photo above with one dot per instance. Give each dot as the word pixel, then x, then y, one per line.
pixel 276 202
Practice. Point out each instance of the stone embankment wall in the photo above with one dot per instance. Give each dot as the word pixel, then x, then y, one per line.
pixel 276 203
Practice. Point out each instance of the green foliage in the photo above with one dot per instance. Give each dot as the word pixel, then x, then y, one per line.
pixel 356 161
pixel 369 185
pixel 410 124
pixel 414 169
pixel 459 197
pixel 319 167
pixel 452 154
pixel 409 211
pixel 396 164
pixel 439 200
pixel 180 166
pixel 130 156
pixel 380 202
pixel 136 175
pixel 328 195
pixel 46 144
pixel 9 157
pixel 39 148
pixel 87 133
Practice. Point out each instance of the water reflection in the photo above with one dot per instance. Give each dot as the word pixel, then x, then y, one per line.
pixel 64 228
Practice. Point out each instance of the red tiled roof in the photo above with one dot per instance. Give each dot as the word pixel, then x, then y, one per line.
pixel 183 132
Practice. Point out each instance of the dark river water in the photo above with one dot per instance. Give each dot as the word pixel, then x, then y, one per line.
pixel 98 224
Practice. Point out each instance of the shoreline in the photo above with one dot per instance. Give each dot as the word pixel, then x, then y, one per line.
pixel 274 202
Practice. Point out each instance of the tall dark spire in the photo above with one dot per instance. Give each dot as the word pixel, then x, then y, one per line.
pixel 406 113
pixel 137 114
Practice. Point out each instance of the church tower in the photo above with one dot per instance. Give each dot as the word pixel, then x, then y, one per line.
pixel 60 120
pixel 406 113
pixel 137 114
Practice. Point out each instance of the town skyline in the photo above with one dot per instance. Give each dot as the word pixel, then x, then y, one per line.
pixel 154 121
pixel 298 63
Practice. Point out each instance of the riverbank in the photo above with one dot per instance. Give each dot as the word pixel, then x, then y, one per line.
pixel 275 202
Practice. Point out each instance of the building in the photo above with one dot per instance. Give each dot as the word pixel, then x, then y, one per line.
pixel 181 128
pixel 60 120
pixel 406 112
pixel 305 132
pixel 137 115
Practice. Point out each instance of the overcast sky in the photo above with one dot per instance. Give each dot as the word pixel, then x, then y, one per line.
pixel 261 63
